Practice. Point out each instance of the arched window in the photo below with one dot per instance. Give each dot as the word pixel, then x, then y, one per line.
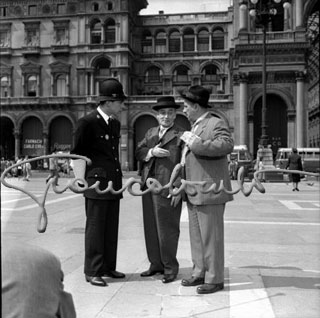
pixel 161 42
pixel 210 73
pixel 61 85
pixel 181 74
pixel 4 88
pixel 203 40
pixel 96 33
pixel 110 31
pixel 217 40
pixel 146 42
pixel 153 75
pixel 32 86
pixel 174 41
pixel 101 72
pixel 188 40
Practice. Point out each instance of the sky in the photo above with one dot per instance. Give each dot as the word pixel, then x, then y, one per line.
pixel 183 6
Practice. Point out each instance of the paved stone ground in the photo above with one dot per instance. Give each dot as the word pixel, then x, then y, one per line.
pixel 272 255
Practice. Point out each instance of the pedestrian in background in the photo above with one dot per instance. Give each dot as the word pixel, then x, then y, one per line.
pixel 97 138
pixel 53 168
pixel 158 153
pixel 32 283
pixel 205 159
pixel 294 163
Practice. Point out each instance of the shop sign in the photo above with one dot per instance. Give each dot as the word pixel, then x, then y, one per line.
pixel 33 147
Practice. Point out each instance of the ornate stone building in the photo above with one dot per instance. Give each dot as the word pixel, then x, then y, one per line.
pixel 54 53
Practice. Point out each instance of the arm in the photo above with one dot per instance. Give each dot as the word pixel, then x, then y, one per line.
pixel 220 142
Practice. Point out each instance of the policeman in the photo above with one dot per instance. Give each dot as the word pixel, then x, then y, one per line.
pixel 97 137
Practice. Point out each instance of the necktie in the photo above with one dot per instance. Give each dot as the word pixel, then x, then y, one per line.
pixel 161 132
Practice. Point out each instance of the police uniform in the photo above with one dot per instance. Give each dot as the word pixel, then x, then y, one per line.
pixel 99 141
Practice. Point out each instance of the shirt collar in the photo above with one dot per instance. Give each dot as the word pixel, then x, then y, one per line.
pixel 103 115
pixel 202 117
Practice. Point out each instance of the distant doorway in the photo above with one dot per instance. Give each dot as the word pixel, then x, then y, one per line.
pixel 7 138
pixel 276 121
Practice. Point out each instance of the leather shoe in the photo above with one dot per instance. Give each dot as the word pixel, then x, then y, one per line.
pixel 96 281
pixel 168 278
pixel 114 274
pixel 209 288
pixel 151 272
pixel 193 281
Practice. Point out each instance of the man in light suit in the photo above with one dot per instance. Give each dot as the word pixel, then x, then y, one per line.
pixel 97 137
pixel 32 283
pixel 159 152
pixel 205 159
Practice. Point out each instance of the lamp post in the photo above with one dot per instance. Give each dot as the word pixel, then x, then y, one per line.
pixel 263 11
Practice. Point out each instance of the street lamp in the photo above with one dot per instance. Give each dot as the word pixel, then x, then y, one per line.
pixel 263 11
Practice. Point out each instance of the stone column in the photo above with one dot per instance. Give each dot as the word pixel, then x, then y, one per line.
pixel 300 136
pixel 17 142
pixel 210 41
pixel 124 155
pixel 243 17
pixel 196 42
pixel 243 109
pixel 299 13
pixel 46 149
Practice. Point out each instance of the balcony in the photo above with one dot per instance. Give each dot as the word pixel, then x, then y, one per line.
pixel 60 49
pixel 5 51
pixel 273 37
pixel 31 50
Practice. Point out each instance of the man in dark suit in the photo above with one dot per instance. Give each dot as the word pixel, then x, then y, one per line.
pixel 205 159
pixel 159 152
pixel 32 283
pixel 97 137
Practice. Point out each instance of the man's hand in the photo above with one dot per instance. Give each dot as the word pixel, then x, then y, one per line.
pixel 160 152
pixel 175 199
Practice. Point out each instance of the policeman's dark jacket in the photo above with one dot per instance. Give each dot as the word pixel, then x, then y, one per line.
pixel 100 142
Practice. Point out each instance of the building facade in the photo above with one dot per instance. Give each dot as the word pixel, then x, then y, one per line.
pixel 54 53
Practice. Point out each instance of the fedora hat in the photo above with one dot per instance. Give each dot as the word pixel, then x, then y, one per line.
pixel 196 94
pixel 165 102
pixel 111 90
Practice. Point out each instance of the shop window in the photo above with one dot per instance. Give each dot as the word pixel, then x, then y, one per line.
pixel 96 33
pixel 153 75
pixel 32 86
pixel 188 40
pixel 174 41
pixel 32 10
pixel 146 42
pixel 110 32
pixel 181 74
pixel 4 86
pixel 161 42
pixel 61 85
pixel 61 8
pixel 218 40
pixel 203 41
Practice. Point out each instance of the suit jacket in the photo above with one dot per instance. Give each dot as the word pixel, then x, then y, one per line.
pixel 32 283
pixel 207 160
pixel 100 143
pixel 160 168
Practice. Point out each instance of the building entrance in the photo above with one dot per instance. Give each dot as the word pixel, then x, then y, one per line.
pixel 7 138
pixel 276 120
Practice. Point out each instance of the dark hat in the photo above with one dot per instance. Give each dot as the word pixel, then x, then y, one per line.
pixel 111 89
pixel 196 94
pixel 165 102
